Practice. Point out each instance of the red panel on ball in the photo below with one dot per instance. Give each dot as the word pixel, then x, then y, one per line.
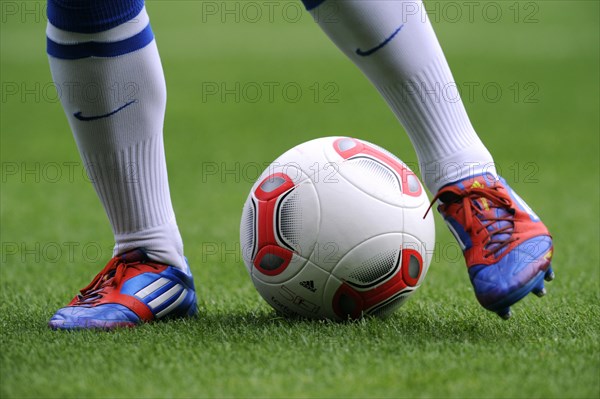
pixel 367 299
pixel 273 186
pixel 272 260
pixel 413 279
pixel 342 147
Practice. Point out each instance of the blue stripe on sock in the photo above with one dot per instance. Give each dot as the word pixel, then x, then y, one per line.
pixel 85 16
pixel 310 4
pixel 100 49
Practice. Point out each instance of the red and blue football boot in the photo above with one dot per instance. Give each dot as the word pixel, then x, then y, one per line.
pixel 507 249
pixel 130 290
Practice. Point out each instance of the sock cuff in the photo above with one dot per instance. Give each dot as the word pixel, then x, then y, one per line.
pixel 127 37
pixel 84 16
pixel 121 32
pixel 310 4
pixel 100 49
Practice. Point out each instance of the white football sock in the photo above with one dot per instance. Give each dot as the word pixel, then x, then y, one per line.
pixel 115 105
pixel 394 45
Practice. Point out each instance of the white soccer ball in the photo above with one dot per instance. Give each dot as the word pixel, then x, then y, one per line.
pixel 334 229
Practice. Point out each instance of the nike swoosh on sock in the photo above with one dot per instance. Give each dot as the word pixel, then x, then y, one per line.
pixel 366 53
pixel 81 117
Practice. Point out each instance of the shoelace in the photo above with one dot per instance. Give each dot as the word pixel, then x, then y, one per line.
pixel 109 277
pixel 497 199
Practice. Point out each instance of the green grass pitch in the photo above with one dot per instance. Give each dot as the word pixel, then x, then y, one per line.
pixel 241 92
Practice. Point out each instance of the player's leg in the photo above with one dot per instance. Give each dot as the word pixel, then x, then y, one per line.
pixel 104 58
pixel 507 249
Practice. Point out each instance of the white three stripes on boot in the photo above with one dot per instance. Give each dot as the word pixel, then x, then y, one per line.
pixel 173 305
pixel 144 292
pixel 164 297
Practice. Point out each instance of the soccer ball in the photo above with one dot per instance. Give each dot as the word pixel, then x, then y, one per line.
pixel 334 229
